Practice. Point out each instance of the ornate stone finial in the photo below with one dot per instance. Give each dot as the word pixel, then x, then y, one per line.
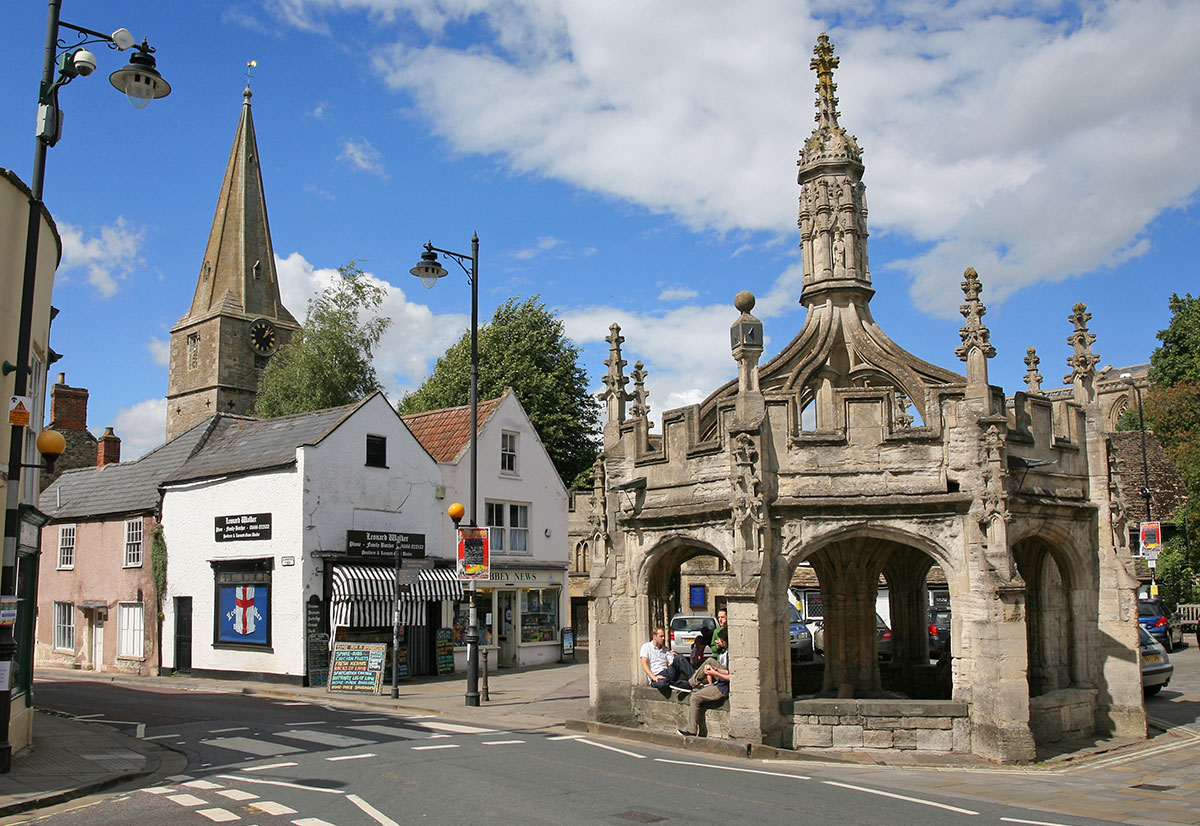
pixel 614 394
pixel 1082 361
pixel 824 63
pixel 640 408
pixel 975 336
pixel 1033 379
pixel 902 416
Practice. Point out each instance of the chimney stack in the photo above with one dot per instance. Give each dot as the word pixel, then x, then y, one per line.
pixel 68 406
pixel 108 448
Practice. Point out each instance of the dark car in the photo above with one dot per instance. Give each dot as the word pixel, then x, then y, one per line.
pixel 1163 627
pixel 799 638
pixel 939 631
pixel 1156 665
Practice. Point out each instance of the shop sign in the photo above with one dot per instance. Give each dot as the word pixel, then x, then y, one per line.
pixel 8 610
pixel 385 544
pixel 242 528
pixel 473 559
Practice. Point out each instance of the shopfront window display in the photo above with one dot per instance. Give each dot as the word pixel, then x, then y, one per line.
pixel 484 615
pixel 539 615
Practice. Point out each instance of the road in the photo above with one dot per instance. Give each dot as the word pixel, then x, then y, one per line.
pixel 254 761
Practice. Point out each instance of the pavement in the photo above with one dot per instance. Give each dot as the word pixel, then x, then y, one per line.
pixel 1148 782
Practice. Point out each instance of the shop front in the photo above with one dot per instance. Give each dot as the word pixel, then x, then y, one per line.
pixel 521 612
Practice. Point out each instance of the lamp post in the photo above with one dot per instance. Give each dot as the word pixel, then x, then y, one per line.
pixel 429 271
pixel 1127 378
pixel 141 83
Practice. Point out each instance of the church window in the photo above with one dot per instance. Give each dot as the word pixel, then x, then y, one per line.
pixel 193 350
pixel 260 362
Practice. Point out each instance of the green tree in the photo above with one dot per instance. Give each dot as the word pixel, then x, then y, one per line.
pixel 327 362
pixel 523 347
pixel 1175 576
pixel 1178 359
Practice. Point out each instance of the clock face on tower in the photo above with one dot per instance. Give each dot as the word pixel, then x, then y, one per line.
pixel 263 338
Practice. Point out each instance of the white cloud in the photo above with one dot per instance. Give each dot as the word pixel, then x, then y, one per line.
pixel 1034 143
pixel 544 244
pixel 160 350
pixel 413 341
pixel 362 155
pixel 675 292
pixel 320 111
pixel 108 256
pixel 142 427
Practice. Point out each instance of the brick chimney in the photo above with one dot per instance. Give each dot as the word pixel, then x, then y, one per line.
pixel 108 448
pixel 68 406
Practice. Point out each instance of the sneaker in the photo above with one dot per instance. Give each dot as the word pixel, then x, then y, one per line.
pixel 682 689
pixel 683 733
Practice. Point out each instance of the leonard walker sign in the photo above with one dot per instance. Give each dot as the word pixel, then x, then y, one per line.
pixel 244 527
pixel 385 543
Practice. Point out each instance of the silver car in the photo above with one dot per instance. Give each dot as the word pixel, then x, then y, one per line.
pixel 685 627
pixel 1156 664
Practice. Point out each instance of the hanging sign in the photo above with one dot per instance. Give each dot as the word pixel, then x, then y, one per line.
pixel 1150 535
pixel 385 544
pixel 473 559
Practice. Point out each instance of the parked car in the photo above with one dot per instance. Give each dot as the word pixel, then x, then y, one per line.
pixel 1168 630
pixel 1156 665
pixel 939 631
pixel 800 638
pixel 684 628
pixel 883 637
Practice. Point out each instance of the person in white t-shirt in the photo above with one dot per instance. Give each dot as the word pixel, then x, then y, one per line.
pixel 663 669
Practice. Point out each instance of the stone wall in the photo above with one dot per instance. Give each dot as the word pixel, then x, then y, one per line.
pixel 902 725
pixel 1066 714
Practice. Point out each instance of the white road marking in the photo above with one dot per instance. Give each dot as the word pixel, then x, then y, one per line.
pixel 263 748
pixel 311 821
pixel 308 723
pixel 733 769
pixel 369 719
pixel 378 816
pixel 282 783
pixel 392 731
pixel 226 730
pixel 162 736
pixel 203 784
pixel 349 757
pixel 157 790
pixel 611 748
pixel 218 815
pixel 898 797
pixel 87 716
pixel 455 728
pixel 566 737
pixel 267 767
pixel 442 746
pixel 185 799
pixel 292 703
pixel 237 794
pixel 322 738
pixel 272 808
pixel 1031 822
pixel 179 778
pixel 502 742
pixel 438 736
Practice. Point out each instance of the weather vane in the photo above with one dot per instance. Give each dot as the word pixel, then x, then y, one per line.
pixel 250 64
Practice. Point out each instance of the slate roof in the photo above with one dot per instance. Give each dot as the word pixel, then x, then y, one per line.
pixel 120 488
pixel 242 445
pixel 446 433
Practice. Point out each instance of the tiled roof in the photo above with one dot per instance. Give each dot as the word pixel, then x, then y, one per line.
pixel 241 445
pixel 1167 491
pixel 125 487
pixel 445 433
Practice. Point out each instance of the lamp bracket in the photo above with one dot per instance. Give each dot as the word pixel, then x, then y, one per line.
pixel 460 258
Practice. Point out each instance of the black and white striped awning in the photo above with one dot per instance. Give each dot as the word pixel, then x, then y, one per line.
pixel 363 594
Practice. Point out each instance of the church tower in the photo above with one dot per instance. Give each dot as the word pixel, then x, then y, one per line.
pixel 236 321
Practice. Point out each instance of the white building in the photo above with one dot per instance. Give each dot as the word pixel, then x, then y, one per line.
pixel 282 533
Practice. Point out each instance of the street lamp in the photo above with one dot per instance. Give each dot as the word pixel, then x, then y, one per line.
pixel 430 271
pixel 1127 378
pixel 141 83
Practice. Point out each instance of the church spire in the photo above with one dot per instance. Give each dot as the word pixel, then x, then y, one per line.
pixel 237 275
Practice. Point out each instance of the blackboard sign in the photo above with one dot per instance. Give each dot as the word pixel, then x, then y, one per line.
pixel 318 659
pixel 357 666
pixel 445 650
pixel 242 528
pixel 401 662
pixel 385 544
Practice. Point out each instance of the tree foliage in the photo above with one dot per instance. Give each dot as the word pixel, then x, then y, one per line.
pixel 1178 359
pixel 1175 575
pixel 327 362
pixel 524 347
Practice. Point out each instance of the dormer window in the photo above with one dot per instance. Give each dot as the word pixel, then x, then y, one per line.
pixel 508 453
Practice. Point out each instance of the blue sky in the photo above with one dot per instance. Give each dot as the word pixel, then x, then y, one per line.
pixel 630 161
